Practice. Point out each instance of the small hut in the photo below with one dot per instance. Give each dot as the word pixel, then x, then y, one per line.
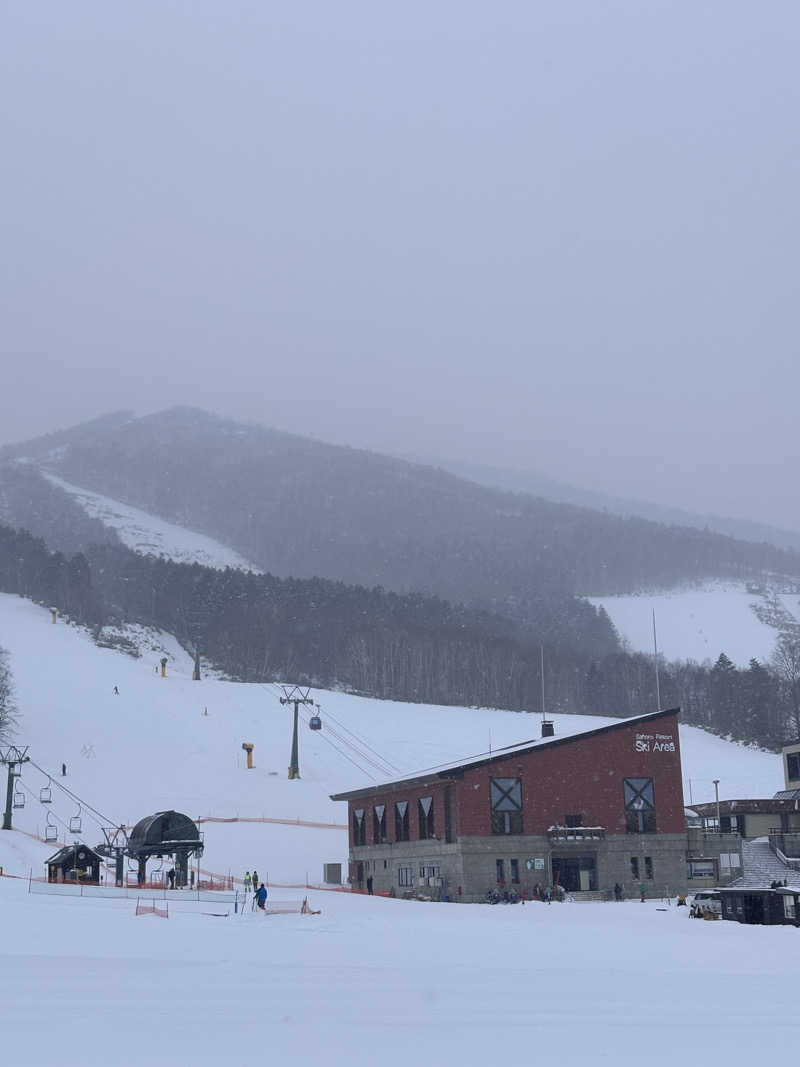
pixel 74 863
pixel 777 906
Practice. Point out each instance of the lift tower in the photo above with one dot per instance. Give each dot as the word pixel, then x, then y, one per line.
pixel 293 694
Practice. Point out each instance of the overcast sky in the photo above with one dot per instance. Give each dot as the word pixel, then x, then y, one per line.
pixel 560 236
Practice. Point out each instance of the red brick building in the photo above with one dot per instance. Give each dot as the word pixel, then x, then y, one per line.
pixel 585 812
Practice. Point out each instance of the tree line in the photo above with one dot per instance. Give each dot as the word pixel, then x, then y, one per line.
pixel 257 628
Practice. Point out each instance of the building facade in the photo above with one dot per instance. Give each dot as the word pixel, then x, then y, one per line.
pixel 586 812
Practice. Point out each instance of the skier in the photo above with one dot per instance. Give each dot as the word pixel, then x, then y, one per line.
pixel 369 884
pixel 254 880
pixel 247 883
pixel 261 896
pixel 116 690
pixel 171 876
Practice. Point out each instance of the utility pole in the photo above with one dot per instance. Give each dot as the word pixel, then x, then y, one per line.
pixel 716 794
pixel 655 663
pixel 293 694
pixel 10 757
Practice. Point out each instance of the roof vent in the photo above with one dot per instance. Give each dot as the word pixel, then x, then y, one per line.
pixel 548 728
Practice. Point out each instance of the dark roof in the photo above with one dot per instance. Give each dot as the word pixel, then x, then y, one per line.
pixel 750 806
pixel 165 828
pixel 787 794
pixel 454 770
pixel 66 854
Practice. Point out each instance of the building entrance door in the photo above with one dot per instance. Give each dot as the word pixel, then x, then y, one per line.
pixel 576 874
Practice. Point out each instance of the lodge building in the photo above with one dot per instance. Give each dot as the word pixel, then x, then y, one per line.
pixel 584 812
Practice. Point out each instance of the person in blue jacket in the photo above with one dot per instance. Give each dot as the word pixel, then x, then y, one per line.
pixel 261 896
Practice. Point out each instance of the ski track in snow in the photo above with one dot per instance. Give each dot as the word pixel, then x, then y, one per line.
pixel 149 535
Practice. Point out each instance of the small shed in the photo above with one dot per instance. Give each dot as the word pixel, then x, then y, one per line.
pixel 777 906
pixel 74 863
pixel 167 833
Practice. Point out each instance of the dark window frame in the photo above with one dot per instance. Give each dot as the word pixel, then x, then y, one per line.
pixel 402 822
pixel 514 871
pixel 427 824
pixel 793 766
pixel 505 797
pixel 379 825
pixel 359 827
pixel 640 805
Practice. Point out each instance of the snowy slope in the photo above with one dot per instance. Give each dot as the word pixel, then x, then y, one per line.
pixel 698 623
pixel 153 747
pixel 150 535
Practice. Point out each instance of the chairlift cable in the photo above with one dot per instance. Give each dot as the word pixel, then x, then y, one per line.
pixel 98 816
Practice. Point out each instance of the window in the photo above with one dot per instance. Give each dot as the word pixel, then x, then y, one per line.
pixel 359 827
pixel 425 811
pixel 401 821
pixel 500 872
pixel 793 766
pixel 729 824
pixel 379 824
pixel 648 867
pixel 634 866
pixel 514 872
pixel 405 877
pixel 700 869
pixel 573 820
pixel 788 907
pixel 506 797
pixel 640 806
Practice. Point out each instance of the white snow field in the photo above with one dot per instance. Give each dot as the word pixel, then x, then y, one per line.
pixel 149 535
pixel 377 981
pixel 84 981
pixel 697 624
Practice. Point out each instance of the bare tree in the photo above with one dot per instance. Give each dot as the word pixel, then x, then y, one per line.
pixel 8 708
pixel 786 662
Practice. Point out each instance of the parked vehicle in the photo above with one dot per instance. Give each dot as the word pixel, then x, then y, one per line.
pixel 707 900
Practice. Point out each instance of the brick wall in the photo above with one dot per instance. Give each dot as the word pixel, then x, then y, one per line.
pixel 584 777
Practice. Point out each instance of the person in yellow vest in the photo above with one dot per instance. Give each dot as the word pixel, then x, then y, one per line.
pixel 247 882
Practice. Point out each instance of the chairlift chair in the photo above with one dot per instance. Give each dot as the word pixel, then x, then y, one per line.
pixel 50 830
pixel 46 794
pixel 19 799
pixel 75 823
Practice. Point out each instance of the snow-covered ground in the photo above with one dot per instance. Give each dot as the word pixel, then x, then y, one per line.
pixel 698 623
pixel 175 743
pixel 374 981
pixel 148 534
pixel 87 982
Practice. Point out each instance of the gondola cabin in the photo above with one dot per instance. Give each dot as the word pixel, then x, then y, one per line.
pixel 315 723
pixel 74 863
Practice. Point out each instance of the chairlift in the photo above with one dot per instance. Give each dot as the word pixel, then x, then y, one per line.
pixel 46 794
pixel 19 799
pixel 315 722
pixel 50 830
pixel 75 822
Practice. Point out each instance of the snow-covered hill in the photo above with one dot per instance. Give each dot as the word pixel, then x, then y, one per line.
pixel 150 535
pixel 699 623
pixel 175 743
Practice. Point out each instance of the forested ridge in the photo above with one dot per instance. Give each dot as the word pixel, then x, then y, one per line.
pixel 328 634
pixel 301 508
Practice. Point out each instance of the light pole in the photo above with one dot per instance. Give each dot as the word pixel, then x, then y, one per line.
pixel 716 795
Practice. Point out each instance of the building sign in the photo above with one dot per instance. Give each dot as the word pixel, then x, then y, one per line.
pixel 536 864
pixel 654 743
